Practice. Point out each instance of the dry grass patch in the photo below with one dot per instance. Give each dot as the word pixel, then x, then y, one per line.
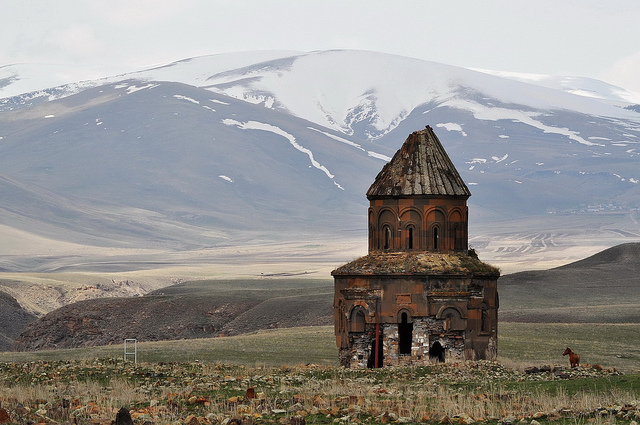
pixel 91 392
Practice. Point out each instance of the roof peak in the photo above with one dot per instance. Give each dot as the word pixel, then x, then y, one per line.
pixel 421 167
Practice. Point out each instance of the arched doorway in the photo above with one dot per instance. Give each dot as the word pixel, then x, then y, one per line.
pixel 436 352
pixel 405 334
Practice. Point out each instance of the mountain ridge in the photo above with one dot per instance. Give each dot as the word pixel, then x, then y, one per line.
pixel 282 145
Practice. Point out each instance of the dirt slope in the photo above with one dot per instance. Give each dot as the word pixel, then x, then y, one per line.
pixel 13 319
pixel 603 288
pixel 195 310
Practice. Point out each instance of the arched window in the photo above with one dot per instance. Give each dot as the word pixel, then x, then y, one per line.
pixel 484 319
pixel 436 238
pixel 387 237
pixel 405 334
pixel 410 237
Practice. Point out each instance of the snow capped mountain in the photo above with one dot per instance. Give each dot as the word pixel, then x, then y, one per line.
pixel 226 148
pixel 580 86
pixel 343 90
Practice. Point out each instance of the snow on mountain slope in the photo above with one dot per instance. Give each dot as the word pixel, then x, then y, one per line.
pixel 32 83
pixel 582 86
pixel 196 71
pixel 26 78
pixel 368 94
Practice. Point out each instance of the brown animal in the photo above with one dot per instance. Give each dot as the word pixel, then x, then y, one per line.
pixel 574 358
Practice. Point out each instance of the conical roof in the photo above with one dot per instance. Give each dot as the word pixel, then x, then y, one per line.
pixel 420 168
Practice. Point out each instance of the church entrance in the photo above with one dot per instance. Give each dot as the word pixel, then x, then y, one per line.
pixel 436 352
pixel 405 335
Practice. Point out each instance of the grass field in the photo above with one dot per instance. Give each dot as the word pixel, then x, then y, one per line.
pixel 609 345
pixel 293 379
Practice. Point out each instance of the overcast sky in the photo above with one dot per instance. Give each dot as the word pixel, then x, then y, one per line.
pixel 591 38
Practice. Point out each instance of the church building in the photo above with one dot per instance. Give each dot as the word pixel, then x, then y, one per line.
pixel 420 295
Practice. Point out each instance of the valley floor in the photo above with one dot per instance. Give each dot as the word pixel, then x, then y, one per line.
pixel 290 376
pixel 201 393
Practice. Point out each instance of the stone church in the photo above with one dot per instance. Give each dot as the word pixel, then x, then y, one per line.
pixel 420 295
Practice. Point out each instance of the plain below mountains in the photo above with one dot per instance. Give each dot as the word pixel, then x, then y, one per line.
pixel 603 288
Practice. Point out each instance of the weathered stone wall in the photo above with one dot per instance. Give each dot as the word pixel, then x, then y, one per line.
pixel 359 351
pixel 420 344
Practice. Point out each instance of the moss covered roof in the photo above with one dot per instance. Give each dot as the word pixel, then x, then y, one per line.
pixel 420 167
pixel 428 263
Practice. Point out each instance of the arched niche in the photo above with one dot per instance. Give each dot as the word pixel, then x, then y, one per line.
pixel 387 226
pixel 457 230
pixel 453 320
pixel 485 321
pixel 436 222
pixel 357 320
pixel 411 221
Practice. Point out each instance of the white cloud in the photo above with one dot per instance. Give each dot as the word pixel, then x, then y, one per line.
pixel 136 13
pixel 624 72
pixel 76 40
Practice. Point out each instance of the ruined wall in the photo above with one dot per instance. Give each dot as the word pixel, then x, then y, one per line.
pixel 444 318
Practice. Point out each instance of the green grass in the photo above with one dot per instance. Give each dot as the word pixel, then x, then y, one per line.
pixel 609 345
pixel 272 348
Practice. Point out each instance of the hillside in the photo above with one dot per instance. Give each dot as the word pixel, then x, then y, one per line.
pixel 228 150
pixel 192 310
pixel 603 288
pixel 13 320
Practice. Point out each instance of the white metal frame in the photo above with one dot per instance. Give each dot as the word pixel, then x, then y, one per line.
pixel 127 349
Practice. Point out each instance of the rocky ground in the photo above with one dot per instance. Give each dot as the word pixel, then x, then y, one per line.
pixel 202 394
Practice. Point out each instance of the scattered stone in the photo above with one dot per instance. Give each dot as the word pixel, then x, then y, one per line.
pixel 465 419
pixel 4 416
pixel 191 420
pixel 251 393
pixel 295 407
pixel 297 420
pixel 123 417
